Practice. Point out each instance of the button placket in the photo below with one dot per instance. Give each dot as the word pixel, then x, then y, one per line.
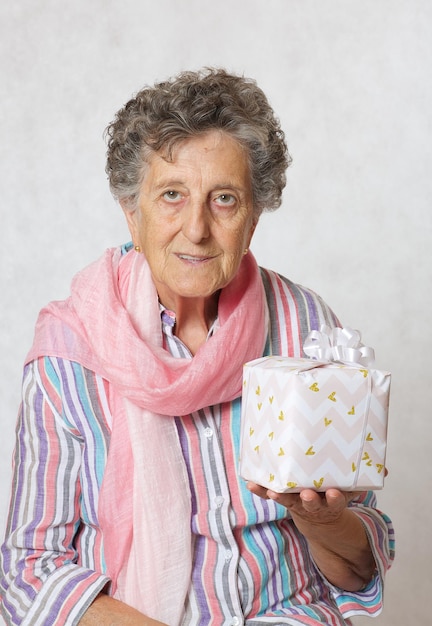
pixel 221 523
pixel 219 500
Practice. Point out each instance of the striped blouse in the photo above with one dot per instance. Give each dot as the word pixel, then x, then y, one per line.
pixel 251 566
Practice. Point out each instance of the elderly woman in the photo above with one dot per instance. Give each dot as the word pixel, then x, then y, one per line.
pixel 127 505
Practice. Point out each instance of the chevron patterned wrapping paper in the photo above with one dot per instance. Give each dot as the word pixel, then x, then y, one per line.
pixel 309 424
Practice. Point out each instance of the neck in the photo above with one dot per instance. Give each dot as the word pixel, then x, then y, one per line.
pixel 194 317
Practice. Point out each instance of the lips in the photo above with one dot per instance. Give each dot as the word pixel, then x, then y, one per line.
pixel 190 258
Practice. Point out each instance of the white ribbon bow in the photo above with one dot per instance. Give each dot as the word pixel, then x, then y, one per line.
pixel 338 344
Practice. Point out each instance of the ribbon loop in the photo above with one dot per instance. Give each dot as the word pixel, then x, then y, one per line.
pixel 338 344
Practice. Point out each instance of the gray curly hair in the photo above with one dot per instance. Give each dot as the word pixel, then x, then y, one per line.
pixel 160 117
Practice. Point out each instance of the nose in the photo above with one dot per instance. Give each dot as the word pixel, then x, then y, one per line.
pixel 195 225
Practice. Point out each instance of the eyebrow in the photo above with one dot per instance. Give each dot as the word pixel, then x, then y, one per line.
pixel 166 184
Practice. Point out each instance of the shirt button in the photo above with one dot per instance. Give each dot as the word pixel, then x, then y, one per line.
pixel 219 501
pixel 208 433
pixel 228 556
pixel 236 621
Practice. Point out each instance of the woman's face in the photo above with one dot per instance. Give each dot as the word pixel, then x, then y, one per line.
pixel 195 218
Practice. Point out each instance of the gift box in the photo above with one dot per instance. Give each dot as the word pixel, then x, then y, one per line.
pixel 317 424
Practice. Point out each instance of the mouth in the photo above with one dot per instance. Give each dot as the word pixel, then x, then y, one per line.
pixel 195 260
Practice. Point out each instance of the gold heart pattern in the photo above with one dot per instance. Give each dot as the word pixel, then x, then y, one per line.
pixel 284 425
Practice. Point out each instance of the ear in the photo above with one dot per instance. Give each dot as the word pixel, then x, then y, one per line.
pixel 252 230
pixel 132 218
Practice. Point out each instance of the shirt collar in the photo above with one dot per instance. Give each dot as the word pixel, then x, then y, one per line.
pixel 168 321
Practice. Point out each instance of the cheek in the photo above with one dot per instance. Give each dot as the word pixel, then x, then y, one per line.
pixel 234 251
pixel 152 233
pixel 241 241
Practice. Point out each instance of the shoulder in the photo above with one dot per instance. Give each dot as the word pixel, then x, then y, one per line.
pixel 69 389
pixel 275 283
pixel 294 311
pixel 281 290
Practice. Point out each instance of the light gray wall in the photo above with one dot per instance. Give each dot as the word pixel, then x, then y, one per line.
pixel 351 81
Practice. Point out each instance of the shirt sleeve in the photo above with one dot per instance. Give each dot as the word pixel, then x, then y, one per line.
pixel 380 532
pixel 43 578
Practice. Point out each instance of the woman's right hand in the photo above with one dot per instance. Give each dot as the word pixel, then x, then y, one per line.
pixel 106 611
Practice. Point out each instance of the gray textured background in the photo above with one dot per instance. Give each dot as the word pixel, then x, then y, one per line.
pixel 351 82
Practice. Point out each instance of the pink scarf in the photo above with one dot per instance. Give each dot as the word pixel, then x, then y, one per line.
pixel 111 325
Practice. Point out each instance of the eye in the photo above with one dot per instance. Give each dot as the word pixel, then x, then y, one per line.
pixel 171 195
pixel 225 199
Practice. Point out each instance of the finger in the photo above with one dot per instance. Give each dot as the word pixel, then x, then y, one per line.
pixel 338 500
pixel 257 490
pixel 285 499
pixel 312 501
